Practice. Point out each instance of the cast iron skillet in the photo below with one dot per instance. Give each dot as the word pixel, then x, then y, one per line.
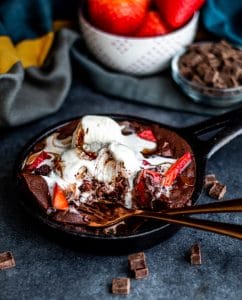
pixel 204 138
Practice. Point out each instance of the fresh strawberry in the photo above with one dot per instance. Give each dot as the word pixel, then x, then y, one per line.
pixel 147 135
pixel 177 12
pixel 152 26
pixel 156 177
pixel 38 160
pixel 59 200
pixel 145 163
pixel 176 169
pixel 121 17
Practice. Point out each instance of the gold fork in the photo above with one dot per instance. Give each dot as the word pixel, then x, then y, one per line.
pixel 104 214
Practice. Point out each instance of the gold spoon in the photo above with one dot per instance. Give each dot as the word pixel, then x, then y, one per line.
pixel 104 214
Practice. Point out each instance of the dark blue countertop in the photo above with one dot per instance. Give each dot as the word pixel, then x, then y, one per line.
pixel 46 269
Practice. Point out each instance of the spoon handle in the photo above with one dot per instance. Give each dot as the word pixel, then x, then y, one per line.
pixel 231 230
pixel 217 207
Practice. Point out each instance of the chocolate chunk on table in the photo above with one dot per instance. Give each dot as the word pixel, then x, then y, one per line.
pixel 137 263
pixel 210 179
pixel 136 260
pixel 6 260
pixel 141 273
pixel 121 286
pixel 217 190
pixel 196 256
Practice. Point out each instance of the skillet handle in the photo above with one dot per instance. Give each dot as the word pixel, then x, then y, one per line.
pixel 226 127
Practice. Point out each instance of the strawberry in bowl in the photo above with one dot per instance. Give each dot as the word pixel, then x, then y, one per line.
pixel 121 17
pixel 134 36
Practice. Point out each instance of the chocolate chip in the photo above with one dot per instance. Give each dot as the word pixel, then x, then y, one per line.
pixel 197 79
pixel 121 286
pixel 43 170
pixel 141 273
pixel 137 264
pixel 217 190
pixel 196 257
pixel 136 259
pixel 210 179
pixel 6 260
pixel 211 76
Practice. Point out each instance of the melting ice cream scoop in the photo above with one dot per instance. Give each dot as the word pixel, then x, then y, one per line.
pixel 95 131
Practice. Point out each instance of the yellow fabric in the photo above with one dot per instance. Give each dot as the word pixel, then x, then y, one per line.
pixel 31 53
pixel 8 55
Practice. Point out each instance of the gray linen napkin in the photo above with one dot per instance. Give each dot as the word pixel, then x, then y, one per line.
pixel 159 89
pixel 28 94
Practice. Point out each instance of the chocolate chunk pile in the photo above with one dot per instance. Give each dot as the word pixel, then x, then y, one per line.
pixel 216 65
pixel 214 188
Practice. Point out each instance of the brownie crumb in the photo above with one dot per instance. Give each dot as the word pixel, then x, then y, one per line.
pixel 196 257
pixel 210 179
pixel 121 286
pixel 6 260
pixel 217 190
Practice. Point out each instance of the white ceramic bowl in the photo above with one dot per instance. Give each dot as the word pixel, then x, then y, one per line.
pixel 137 56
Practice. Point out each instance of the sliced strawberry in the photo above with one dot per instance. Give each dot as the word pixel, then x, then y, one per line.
pixel 152 26
pixel 147 135
pixel 59 200
pixel 145 162
pixel 121 17
pixel 38 160
pixel 155 176
pixel 176 169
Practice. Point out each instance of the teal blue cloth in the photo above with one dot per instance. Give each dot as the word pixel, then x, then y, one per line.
pixel 224 19
pixel 28 19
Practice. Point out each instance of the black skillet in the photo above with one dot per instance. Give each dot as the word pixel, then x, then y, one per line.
pixel 204 138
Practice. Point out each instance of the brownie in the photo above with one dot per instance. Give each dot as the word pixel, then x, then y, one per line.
pixel 168 145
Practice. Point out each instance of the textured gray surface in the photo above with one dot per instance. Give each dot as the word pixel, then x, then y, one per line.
pixel 47 270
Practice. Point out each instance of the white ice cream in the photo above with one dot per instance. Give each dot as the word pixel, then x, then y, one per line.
pixel 98 131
